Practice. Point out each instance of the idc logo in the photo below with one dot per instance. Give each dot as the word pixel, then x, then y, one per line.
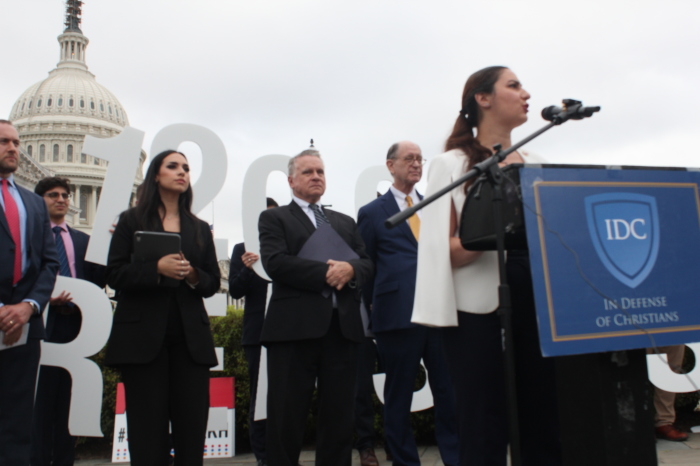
pixel 624 228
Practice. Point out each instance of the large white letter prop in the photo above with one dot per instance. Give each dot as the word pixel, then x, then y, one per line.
pixel 366 186
pixel 214 161
pixel 216 305
pixel 663 377
pixel 122 152
pixel 86 399
pixel 254 201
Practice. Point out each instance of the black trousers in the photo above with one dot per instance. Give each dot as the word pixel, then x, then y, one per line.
pixel 475 357
pixel 52 443
pixel 18 372
pixel 293 367
pixel 256 429
pixel 364 405
pixel 170 388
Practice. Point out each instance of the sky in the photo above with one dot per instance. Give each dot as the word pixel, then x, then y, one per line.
pixel 357 76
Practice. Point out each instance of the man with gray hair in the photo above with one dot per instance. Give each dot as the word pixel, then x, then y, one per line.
pixel 313 325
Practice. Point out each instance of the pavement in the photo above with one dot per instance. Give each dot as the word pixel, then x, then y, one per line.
pixel 675 453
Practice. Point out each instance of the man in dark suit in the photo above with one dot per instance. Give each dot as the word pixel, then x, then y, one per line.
pixel 28 267
pixel 52 443
pixel 400 343
pixel 313 323
pixel 243 282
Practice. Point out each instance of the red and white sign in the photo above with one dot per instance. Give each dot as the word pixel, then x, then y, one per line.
pixel 221 430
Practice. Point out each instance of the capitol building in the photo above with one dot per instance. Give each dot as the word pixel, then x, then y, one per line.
pixel 53 117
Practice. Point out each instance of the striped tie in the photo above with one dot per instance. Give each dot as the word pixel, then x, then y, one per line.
pixel 320 216
pixel 64 268
pixel 12 216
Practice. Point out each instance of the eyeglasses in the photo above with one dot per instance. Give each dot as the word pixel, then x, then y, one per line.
pixel 411 159
pixel 54 195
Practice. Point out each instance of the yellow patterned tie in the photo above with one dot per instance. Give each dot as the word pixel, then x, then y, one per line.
pixel 413 220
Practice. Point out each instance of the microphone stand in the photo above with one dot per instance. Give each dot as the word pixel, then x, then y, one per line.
pixel 494 175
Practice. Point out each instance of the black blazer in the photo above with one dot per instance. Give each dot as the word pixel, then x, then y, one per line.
pixel 297 309
pixel 243 282
pixel 141 317
pixel 84 270
pixel 40 276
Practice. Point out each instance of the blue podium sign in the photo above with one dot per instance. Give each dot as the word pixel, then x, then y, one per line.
pixel 615 257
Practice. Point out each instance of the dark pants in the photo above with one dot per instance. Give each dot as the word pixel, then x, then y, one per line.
pixel 256 429
pixel 401 352
pixel 364 405
pixel 476 363
pixel 18 372
pixel 171 388
pixel 52 444
pixel 293 367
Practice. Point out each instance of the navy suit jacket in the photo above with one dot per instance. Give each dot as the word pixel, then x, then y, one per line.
pixel 243 282
pixel 395 255
pixel 84 270
pixel 40 276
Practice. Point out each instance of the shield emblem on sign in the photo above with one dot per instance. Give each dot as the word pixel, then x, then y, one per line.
pixel 624 228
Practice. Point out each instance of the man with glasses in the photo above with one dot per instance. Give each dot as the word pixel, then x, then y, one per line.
pixel 51 439
pixel 400 343
pixel 28 266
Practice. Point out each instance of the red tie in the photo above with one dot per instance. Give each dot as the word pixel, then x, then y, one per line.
pixel 12 216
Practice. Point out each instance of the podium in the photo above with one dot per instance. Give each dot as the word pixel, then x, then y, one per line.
pixel 610 250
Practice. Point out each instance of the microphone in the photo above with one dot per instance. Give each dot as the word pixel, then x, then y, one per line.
pixel 551 112
pixel 572 110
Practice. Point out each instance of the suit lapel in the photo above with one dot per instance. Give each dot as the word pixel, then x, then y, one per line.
pixel 3 222
pixel 79 250
pixel 391 207
pixel 187 237
pixel 299 214
pixel 30 227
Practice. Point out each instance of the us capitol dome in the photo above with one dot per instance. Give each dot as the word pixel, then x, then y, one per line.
pixel 53 117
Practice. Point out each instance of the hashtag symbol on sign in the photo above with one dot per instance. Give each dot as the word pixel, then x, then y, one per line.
pixel 122 431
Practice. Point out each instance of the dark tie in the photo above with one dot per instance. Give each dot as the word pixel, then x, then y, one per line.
pixel 64 268
pixel 12 216
pixel 321 219
pixel 320 216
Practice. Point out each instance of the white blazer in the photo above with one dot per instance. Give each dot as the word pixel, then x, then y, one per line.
pixel 440 289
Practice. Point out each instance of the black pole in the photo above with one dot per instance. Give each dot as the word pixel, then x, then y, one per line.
pixel 505 312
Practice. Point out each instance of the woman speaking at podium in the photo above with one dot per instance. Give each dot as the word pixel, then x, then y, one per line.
pixel 161 340
pixel 458 289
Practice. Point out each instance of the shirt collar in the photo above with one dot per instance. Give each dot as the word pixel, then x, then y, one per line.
pixel 11 181
pixel 399 195
pixel 302 203
pixel 63 225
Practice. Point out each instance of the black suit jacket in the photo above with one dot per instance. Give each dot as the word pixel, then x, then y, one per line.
pixel 84 270
pixel 298 310
pixel 243 282
pixel 40 276
pixel 141 317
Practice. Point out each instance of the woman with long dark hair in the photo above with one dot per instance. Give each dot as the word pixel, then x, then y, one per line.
pixel 458 289
pixel 161 340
